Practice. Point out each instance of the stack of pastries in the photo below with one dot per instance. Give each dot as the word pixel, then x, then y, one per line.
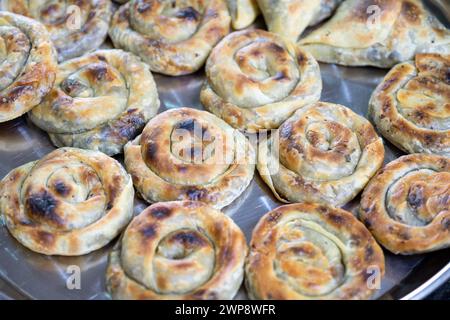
pixel 189 164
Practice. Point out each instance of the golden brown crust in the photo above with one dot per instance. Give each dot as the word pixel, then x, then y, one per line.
pixel 326 154
pixel 256 80
pixel 99 102
pixel 411 107
pixel 377 33
pixel 310 251
pixel 187 154
pixel 289 18
pixel 70 202
pixel 178 250
pixel 406 205
pixel 175 43
pixel 243 12
pixel 28 65
pixel 76 26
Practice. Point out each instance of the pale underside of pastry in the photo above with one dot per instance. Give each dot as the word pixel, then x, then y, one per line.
pixel 256 80
pixel 289 18
pixel 70 202
pixel 411 107
pixel 243 12
pixel 187 154
pixel 28 67
pixel 310 251
pixel 324 153
pixel 76 26
pixel 378 33
pixel 406 205
pixel 100 102
pixel 174 38
pixel 178 250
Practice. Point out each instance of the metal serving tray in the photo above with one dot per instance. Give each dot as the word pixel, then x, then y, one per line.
pixel 25 274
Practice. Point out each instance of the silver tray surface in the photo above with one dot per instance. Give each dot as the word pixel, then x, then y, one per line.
pixel 28 275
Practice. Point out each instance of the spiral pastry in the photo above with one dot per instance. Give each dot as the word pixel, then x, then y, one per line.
pixel 70 202
pixel 243 12
pixel 256 80
pixel 173 37
pixel 178 250
pixel 411 107
pixel 310 251
pixel 324 153
pixel 187 154
pixel 100 102
pixel 28 67
pixel 406 205
pixel 76 26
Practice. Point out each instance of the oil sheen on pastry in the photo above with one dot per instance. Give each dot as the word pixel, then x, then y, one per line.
pixel 411 107
pixel 173 37
pixel 289 18
pixel 243 12
pixel 406 205
pixel 310 251
pixel 100 102
pixel 187 154
pixel 256 80
pixel 69 203
pixel 76 26
pixel 28 67
pixel 178 250
pixel 326 154
pixel 377 33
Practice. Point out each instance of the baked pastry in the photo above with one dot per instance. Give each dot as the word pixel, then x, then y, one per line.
pixel 188 154
pixel 178 250
pixel 174 38
pixel 69 203
pixel 256 80
pixel 76 26
pixel 406 205
pixel 289 18
pixel 28 65
pixel 100 102
pixel 243 12
pixel 324 153
pixel 377 33
pixel 411 107
pixel 309 251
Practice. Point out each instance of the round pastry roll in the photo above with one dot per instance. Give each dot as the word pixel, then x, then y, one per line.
pixel 187 154
pixel 309 251
pixel 411 107
pixel 100 102
pixel 256 80
pixel 75 26
pixel 178 250
pixel 324 153
pixel 173 37
pixel 69 203
pixel 406 205
pixel 28 67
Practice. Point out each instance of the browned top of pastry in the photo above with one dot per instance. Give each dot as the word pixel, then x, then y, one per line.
pixel 311 251
pixel 178 250
pixel 407 204
pixel 28 65
pixel 411 107
pixel 70 202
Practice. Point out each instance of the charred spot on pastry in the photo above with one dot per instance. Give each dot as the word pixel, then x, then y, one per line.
pixel 368 252
pixel 148 231
pixel 429 139
pixel 160 212
pixel 98 71
pixel 189 239
pixel 410 11
pixel 188 13
pixel 15 93
pixel 45 238
pixel 281 75
pixel 276 48
pixel 43 205
pixel 336 218
pixel 144 6
pixel 188 124
pixel 416 197
pixel 61 188
pixel 152 149
pixel 130 125
pixel 274 216
pixel 446 224
pixel 101 58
